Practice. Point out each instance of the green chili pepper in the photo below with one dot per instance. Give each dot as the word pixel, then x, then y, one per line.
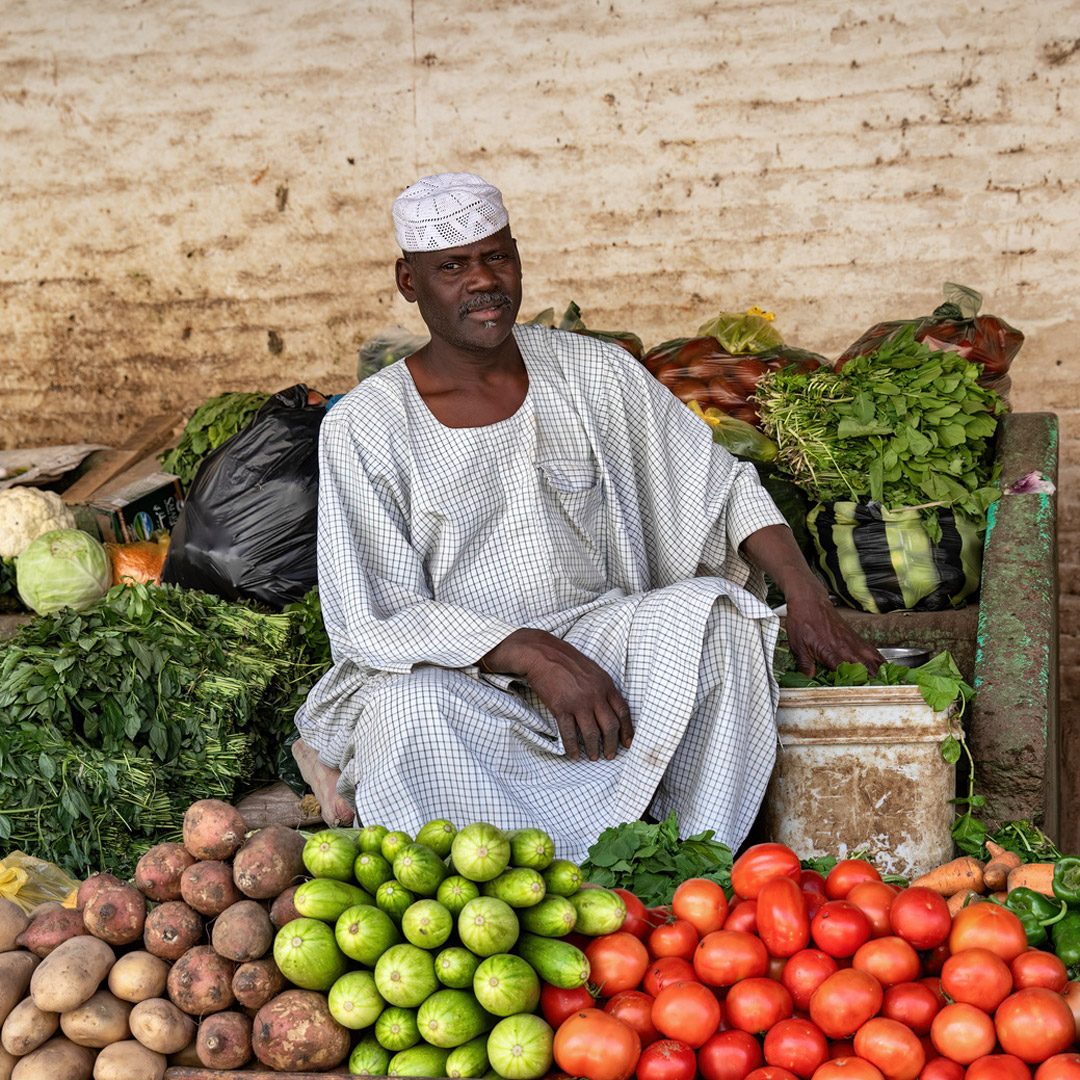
pixel 1034 930
pixel 1067 879
pixel 1044 908
pixel 1066 938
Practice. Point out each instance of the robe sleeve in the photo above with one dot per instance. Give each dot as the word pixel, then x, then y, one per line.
pixel 377 603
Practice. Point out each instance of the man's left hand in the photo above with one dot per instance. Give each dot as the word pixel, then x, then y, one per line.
pixel 818 635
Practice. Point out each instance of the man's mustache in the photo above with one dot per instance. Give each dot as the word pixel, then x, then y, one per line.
pixel 484 300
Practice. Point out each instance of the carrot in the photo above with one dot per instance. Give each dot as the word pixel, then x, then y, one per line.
pixel 996 873
pixel 952 877
pixel 960 900
pixel 1037 875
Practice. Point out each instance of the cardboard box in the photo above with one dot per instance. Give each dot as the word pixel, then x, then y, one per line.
pixel 140 501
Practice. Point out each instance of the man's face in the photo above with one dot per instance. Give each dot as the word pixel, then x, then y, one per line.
pixel 469 296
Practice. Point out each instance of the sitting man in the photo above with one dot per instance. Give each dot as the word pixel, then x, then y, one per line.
pixel 541 578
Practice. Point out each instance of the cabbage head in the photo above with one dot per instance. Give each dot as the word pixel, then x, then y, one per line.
pixel 62 568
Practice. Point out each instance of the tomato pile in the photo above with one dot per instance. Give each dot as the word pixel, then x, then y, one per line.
pixel 803 977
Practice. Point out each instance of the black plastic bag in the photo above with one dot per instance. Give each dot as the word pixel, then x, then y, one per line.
pixel 247 528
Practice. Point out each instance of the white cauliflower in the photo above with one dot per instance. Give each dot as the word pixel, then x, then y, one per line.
pixel 26 513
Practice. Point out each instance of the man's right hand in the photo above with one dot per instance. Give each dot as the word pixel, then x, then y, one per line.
pixel 581 695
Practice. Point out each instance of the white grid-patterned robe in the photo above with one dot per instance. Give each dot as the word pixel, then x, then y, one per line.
pixel 589 513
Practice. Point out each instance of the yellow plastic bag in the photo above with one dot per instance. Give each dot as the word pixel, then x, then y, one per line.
pixel 30 882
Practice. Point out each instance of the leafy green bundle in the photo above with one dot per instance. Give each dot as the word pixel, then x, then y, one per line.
pixel 651 860
pixel 903 425
pixel 212 423
pixel 113 720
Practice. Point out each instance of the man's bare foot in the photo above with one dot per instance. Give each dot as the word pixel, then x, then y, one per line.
pixel 323 782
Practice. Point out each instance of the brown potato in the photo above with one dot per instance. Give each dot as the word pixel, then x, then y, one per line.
pixel 59 1057
pixel 13 921
pixel 137 976
pixel 98 1022
pixel 213 829
pixel 283 910
pixel 243 932
pixel 200 982
pixel 160 1026
pixel 171 929
pixel 16 968
pixel 49 927
pixel 71 973
pixel 269 862
pixel 208 887
pixel 187 1058
pixel 224 1040
pixel 256 982
pixel 116 914
pixel 295 1032
pixel 89 888
pixel 157 874
pixel 129 1060
pixel 27 1027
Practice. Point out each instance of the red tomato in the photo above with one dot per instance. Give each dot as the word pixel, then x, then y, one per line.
pixel 667 970
pixel 810 881
pixel 667 1059
pixel 726 956
pixel 890 960
pixel 678 938
pixel 1035 1024
pixel 782 922
pixel 557 1004
pixel 596 1046
pixel 848 1068
pixel 657 916
pixel 798 1045
pixel 804 973
pixel 963 1033
pixel 634 1007
pixel 637 916
pixel 729 1055
pixel 702 903
pixel 846 874
pixel 686 1011
pixel 1059 1067
pixel 978 977
pixel 920 917
pixel 893 1047
pixel 844 1002
pixel 941 1068
pixel 912 1003
pixel 771 1072
pixel 616 962
pixel 742 916
pixel 1071 996
pixel 755 1005
pixel 841 1048
pixel 998 1067
pixel 934 959
pixel 874 899
pixel 839 928
pixel 759 863
pixel 1038 968
pixel 988 926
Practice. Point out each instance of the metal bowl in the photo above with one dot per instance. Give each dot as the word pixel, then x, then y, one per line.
pixel 905 656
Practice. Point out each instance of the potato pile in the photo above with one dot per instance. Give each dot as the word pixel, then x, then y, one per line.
pixel 169 969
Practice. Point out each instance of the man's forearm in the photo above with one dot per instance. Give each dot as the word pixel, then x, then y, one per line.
pixel 773 550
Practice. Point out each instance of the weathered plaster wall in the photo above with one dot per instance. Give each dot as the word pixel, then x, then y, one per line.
pixel 194 196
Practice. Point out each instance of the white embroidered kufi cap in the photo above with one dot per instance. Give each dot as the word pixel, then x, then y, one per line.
pixel 447 210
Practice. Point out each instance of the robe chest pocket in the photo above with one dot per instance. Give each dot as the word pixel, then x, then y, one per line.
pixel 573 491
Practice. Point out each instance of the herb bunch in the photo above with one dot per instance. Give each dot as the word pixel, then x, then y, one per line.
pixel 115 719
pixel 903 425
pixel 650 860
pixel 215 421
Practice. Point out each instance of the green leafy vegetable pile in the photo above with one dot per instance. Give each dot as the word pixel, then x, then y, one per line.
pixel 904 426
pixel 113 720
pixel 212 423
pixel 651 860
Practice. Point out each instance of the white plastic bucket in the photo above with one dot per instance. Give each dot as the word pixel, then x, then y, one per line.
pixel 860 769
